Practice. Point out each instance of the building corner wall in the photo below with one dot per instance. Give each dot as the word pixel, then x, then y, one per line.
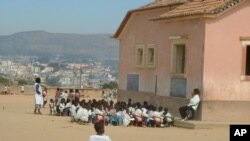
pixel 225 95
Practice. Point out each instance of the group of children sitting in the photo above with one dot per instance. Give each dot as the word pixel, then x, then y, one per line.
pixel 110 113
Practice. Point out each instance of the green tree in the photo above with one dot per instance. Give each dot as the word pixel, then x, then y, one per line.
pixel 5 81
pixel 110 85
pixel 53 81
pixel 22 82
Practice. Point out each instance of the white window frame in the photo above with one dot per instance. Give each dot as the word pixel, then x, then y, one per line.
pixel 139 46
pixel 177 40
pixel 148 63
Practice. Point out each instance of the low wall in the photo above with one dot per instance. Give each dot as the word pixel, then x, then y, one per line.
pixel 220 111
pixel 226 111
pixel 86 93
pixel 172 103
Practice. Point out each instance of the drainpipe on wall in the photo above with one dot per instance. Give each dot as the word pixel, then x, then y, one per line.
pixel 156 85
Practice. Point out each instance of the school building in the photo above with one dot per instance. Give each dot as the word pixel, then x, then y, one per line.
pixel 170 47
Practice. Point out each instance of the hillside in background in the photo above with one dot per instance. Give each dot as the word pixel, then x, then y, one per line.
pixel 70 46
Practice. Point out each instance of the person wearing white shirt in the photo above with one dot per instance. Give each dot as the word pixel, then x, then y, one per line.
pixel 144 112
pixel 85 115
pixel 157 118
pixel 61 106
pixel 160 110
pixel 73 111
pixel 138 116
pixel 150 115
pixel 193 105
pixel 82 115
pixel 6 89
pixel 131 110
pixel 194 101
pixel 99 128
pixel 78 114
pixel 138 112
pixel 99 114
pixel 22 89
pixel 127 119
pixel 52 107
pixel 64 95
pixel 67 107
pixel 167 118
pixel 38 96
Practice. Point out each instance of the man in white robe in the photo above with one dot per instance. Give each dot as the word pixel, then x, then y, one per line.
pixel 38 96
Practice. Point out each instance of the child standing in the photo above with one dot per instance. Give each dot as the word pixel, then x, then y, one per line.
pixel 52 106
pixel 44 94
pixel 22 89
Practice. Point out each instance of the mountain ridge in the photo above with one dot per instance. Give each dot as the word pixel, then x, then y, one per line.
pixel 46 44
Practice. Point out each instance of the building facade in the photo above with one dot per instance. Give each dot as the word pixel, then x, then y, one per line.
pixel 170 47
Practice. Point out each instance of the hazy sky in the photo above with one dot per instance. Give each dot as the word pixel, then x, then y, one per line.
pixel 64 16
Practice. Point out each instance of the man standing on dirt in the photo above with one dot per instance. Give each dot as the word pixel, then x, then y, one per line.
pixel 22 89
pixel 38 96
pixel 5 89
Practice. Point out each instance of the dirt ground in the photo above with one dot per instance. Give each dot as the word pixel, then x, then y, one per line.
pixel 17 123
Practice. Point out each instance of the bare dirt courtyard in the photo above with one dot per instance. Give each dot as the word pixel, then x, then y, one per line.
pixel 17 123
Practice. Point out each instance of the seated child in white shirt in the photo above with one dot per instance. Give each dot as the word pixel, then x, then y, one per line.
pixel 60 107
pixel 82 115
pixel 127 118
pixel 167 118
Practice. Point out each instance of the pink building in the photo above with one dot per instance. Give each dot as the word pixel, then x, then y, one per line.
pixel 170 47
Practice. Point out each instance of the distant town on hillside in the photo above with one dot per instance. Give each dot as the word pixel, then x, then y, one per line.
pixel 69 60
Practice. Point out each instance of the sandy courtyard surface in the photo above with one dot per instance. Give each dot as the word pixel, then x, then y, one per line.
pixel 17 123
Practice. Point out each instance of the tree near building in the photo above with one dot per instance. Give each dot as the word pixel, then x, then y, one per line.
pixel 22 82
pixel 5 81
pixel 54 81
pixel 110 85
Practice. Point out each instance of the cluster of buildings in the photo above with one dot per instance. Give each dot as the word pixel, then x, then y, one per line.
pixel 92 74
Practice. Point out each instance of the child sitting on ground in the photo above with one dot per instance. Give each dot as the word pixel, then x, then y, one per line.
pixel 127 119
pixel 167 118
pixel 82 115
pixel 73 110
pixel 67 107
pixel 60 108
